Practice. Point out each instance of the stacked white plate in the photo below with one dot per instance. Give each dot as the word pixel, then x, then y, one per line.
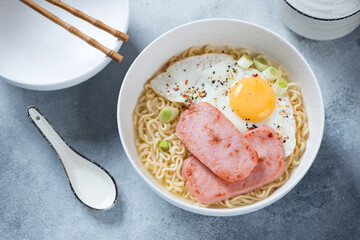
pixel 38 54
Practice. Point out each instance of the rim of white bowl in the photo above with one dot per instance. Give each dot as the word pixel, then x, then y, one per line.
pixel 73 81
pixel 224 211
pixel 319 18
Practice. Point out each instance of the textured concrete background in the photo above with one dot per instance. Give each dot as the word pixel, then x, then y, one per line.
pixel 35 198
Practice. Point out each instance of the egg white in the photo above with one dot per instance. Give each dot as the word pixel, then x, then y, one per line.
pixel 209 78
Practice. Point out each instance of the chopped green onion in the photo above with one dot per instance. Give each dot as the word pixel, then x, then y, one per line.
pixel 245 61
pixel 271 73
pixel 164 145
pixel 260 64
pixel 168 114
pixel 280 87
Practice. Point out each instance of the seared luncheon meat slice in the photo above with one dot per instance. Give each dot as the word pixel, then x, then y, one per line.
pixel 206 187
pixel 216 142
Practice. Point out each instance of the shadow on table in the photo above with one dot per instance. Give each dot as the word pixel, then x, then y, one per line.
pixel 112 216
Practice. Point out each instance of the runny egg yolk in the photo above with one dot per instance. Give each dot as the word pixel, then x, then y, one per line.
pixel 253 99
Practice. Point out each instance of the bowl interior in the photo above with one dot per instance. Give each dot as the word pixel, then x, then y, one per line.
pixel 220 32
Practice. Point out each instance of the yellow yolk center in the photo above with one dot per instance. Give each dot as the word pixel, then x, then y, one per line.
pixel 253 99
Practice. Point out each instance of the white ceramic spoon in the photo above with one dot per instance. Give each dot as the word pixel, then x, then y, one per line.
pixel 91 183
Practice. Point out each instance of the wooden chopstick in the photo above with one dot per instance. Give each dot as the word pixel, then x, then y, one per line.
pixel 93 21
pixel 114 55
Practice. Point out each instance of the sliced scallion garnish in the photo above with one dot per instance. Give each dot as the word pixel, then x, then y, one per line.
pixel 260 64
pixel 280 87
pixel 271 73
pixel 245 61
pixel 164 145
pixel 167 114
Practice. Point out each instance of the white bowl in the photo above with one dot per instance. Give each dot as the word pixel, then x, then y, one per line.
pixel 40 55
pixel 319 20
pixel 226 32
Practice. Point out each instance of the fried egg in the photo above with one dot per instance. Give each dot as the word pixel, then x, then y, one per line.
pixel 242 95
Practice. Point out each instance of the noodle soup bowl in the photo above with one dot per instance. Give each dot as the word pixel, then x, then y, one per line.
pixel 220 32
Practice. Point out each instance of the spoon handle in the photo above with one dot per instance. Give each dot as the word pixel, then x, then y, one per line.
pixel 50 134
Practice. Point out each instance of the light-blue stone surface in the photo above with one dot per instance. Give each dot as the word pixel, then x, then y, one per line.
pixel 37 203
